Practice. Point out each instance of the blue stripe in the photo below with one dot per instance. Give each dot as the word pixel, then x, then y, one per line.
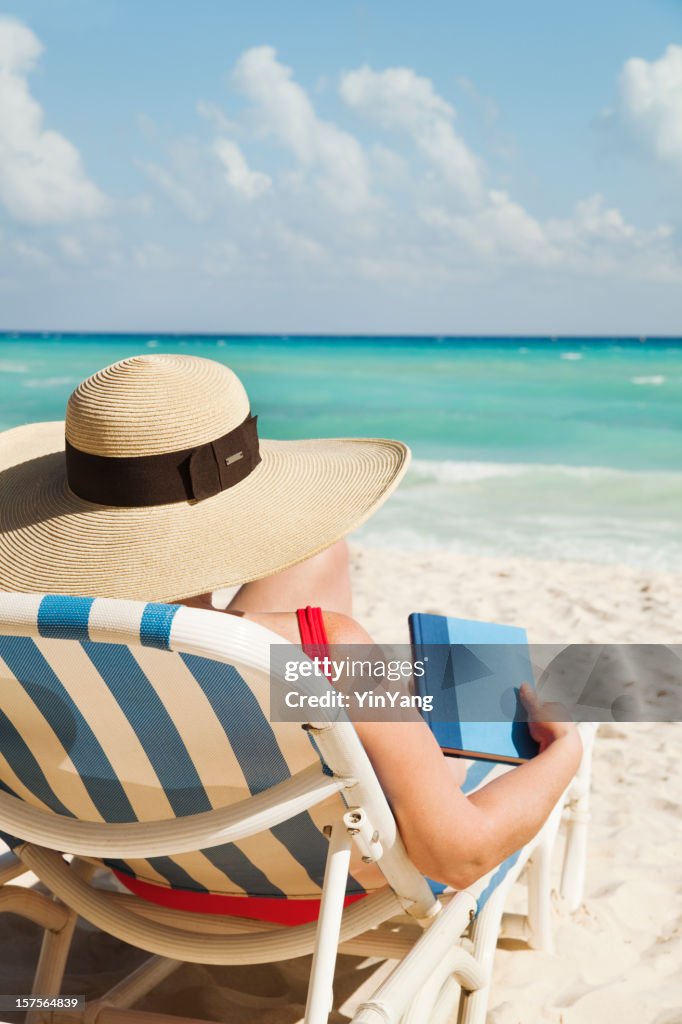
pixel 237 866
pixel 64 618
pixel 155 626
pixel 64 717
pixel 498 877
pixel 152 725
pixel 476 773
pixel 326 770
pixel 436 887
pixel 171 761
pixel 24 765
pixel 260 758
pixel 5 837
pixel 176 876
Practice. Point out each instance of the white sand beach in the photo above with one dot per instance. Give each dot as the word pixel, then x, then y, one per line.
pixel 618 957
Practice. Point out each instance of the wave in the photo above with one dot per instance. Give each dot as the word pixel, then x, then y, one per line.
pixel 453 472
pixel 657 378
pixel 49 382
pixel 545 542
pixel 8 366
pixel 572 355
pixel 579 513
pixel 450 471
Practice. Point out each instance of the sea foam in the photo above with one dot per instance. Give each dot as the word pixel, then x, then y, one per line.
pixel 7 366
pixel 49 382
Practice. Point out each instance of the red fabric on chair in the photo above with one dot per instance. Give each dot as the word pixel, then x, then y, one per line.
pixel 259 908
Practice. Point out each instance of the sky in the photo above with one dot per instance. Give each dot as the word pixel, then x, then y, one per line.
pixel 346 167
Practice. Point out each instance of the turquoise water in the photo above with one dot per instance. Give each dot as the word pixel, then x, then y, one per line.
pixel 567 448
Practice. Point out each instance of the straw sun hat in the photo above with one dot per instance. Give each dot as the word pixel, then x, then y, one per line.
pixel 157 487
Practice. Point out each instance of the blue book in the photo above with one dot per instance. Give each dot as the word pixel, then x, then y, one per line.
pixel 473 672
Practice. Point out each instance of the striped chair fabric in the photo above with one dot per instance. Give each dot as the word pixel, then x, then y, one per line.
pixel 133 731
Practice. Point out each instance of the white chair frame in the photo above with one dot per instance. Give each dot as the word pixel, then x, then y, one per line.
pixel 434 962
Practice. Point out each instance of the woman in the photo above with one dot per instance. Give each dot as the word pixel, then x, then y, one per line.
pixel 158 487
pixel 452 838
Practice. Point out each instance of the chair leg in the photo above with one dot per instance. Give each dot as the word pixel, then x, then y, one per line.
pixel 578 812
pixel 54 952
pixel 575 854
pixel 539 889
pixel 36 906
pixel 10 867
pixel 131 988
pixel 448 1001
pixel 391 1000
pixel 473 1005
pixel 320 989
pixel 427 1004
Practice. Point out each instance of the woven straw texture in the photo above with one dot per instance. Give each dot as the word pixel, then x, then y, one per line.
pixel 303 496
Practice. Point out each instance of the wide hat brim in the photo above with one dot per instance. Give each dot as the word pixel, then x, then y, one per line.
pixel 301 498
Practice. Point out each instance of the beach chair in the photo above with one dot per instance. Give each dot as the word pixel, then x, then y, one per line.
pixel 575 822
pixel 136 737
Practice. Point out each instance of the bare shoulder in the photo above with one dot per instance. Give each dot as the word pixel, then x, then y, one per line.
pixel 340 628
pixel 343 629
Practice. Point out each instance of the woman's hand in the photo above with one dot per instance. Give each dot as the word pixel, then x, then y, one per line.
pixel 547 721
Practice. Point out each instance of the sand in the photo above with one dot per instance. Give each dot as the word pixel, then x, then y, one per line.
pixel 619 957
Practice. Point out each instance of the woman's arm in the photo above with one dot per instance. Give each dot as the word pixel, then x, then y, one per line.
pixel 450 837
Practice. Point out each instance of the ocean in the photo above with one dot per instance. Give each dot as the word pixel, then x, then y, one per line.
pixel 566 448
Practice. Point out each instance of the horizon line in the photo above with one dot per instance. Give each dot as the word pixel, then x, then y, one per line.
pixel 10 333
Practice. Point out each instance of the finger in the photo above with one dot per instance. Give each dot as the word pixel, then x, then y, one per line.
pixel 529 696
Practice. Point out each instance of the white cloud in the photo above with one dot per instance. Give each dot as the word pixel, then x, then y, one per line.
pixel 20 48
pixel 398 98
pixel 650 102
pixel 423 217
pixel 72 248
pixel 182 196
pixel 284 111
pixel 31 255
pixel 593 220
pixel 300 246
pixel 241 179
pixel 212 113
pixel 487 223
pixel 499 229
pixel 598 239
pixel 390 168
pixel 595 239
pixel 42 179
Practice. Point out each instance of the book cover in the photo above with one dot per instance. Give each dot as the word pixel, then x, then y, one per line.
pixel 473 671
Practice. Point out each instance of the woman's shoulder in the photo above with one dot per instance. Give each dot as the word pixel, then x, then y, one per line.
pixel 344 629
pixel 340 628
